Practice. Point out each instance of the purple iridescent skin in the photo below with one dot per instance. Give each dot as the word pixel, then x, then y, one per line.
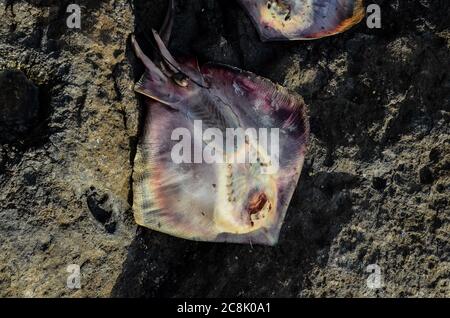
pixel 278 20
pixel 203 199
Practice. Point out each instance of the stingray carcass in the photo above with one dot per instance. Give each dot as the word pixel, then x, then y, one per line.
pixel 302 19
pixel 221 151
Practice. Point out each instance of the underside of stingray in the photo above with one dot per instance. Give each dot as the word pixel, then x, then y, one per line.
pixel 221 153
pixel 302 19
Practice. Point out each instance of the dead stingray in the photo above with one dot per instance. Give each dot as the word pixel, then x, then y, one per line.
pixel 221 152
pixel 302 19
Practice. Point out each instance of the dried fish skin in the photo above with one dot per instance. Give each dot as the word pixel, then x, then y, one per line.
pixel 278 20
pixel 218 201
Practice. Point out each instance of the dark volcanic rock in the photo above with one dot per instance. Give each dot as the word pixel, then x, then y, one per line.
pixel 19 104
pixel 79 129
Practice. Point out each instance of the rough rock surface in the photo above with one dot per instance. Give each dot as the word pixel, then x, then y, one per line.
pixel 65 183
pixel 374 190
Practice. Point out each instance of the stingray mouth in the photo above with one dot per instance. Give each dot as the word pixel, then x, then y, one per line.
pixel 258 207
pixel 255 211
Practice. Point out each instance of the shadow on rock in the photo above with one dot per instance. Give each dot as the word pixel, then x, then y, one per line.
pixel 162 266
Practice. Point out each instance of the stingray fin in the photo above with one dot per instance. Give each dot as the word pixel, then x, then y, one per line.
pixel 158 88
pixel 272 106
pixel 166 193
pixel 168 58
pixel 149 65
pixel 341 16
pixel 157 84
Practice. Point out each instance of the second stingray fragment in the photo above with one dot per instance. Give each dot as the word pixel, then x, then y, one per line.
pixel 278 20
pixel 221 153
